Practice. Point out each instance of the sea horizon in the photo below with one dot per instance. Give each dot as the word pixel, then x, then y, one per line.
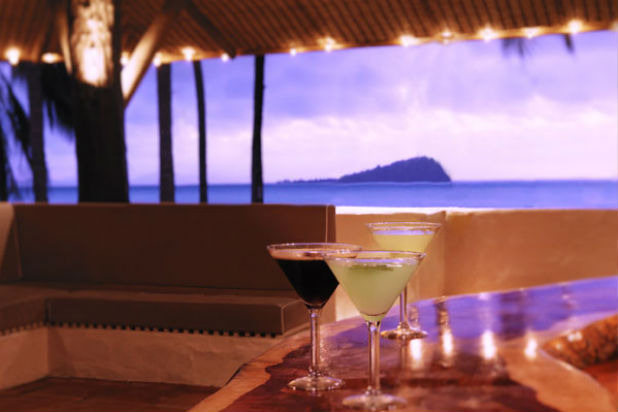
pixel 581 194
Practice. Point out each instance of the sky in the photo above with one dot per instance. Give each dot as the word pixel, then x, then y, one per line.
pixel 482 114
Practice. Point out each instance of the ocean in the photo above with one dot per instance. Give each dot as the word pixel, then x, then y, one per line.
pixel 513 194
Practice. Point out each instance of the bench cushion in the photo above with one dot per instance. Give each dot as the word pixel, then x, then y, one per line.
pixel 222 310
pixel 209 246
pixel 23 305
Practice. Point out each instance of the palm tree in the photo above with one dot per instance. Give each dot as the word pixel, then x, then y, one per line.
pixel 521 45
pixel 13 124
pixel 48 88
pixel 201 116
pixel 257 186
pixel 166 168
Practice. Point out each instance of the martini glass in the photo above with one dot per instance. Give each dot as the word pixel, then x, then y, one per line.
pixel 411 237
pixel 373 279
pixel 304 266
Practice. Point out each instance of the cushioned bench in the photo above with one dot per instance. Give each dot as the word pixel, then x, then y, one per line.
pixel 156 266
pixel 113 285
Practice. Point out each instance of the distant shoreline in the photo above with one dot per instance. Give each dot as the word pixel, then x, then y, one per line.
pixel 488 182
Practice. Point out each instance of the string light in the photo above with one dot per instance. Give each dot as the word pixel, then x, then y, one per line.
pixel 407 40
pixel 188 52
pixel 447 343
pixel 447 36
pixel 157 60
pixel 488 34
pixel 416 350
pixel 531 32
pixel 225 57
pixel 329 44
pixel 575 26
pixel 12 55
pixel 292 52
pixel 531 348
pixel 124 58
pixel 488 344
pixel 50 58
pixel 575 336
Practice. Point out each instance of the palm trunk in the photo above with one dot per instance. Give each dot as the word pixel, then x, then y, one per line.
pixel 97 100
pixel 166 168
pixel 4 170
pixel 38 164
pixel 257 186
pixel 201 116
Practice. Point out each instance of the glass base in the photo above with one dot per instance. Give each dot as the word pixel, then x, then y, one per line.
pixel 404 332
pixel 374 401
pixel 315 383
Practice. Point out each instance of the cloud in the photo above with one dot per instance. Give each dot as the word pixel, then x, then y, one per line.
pixel 482 114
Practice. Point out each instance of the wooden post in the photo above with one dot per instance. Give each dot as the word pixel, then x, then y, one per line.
pixel 257 186
pixel 142 55
pixel 94 43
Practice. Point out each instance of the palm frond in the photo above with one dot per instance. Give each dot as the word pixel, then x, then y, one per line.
pixel 56 92
pixel 8 183
pixel 18 120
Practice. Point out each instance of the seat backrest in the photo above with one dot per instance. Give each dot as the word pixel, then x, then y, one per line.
pixel 215 246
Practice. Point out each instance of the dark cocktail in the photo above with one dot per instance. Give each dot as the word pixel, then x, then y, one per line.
pixel 304 266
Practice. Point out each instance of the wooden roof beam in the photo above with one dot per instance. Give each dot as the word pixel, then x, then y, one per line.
pixel 147 46
pixel 213 32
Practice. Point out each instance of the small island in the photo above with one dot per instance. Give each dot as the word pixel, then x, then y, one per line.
pixel 416 169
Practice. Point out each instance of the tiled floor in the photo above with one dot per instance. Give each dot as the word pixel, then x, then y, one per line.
pixel 81 395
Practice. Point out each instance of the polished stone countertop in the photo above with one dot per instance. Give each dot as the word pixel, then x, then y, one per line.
pixel 549 348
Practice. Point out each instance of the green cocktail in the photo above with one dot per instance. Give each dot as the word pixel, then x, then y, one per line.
pixel 404 236
pixel 372 280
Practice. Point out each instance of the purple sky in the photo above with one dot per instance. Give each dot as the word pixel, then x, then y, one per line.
pixel 483 115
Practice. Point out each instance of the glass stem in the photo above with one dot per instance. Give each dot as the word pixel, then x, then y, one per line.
pixel 314 369
pixel 403 306
pixel 374 357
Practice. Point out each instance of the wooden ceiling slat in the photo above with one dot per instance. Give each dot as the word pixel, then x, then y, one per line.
pixel 264 26
pixel 392 19
pixel 340 12
pixel 446 10
pixel 612 8
pixel 375 16
pixel 471 10
pixel 343 30
pixel 524 13
pixel 430 16
pixel 282 14
pixel 413 12
pixel 511 19
pixel 226 23
pixel 302 26
pixel 459 8
pixel 244 19
pixel 589 10
pixel 541 13
pixel 309 12
pixel 353 18
pixel 495 14
pixel 328 26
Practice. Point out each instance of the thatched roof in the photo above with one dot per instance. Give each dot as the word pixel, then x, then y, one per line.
pixel 239 27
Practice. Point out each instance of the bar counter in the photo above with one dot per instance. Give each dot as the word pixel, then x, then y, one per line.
pixel 549 348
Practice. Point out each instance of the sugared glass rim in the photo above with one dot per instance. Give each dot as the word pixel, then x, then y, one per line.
pixel 316 250
pixel 375 256
pixel 403 226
